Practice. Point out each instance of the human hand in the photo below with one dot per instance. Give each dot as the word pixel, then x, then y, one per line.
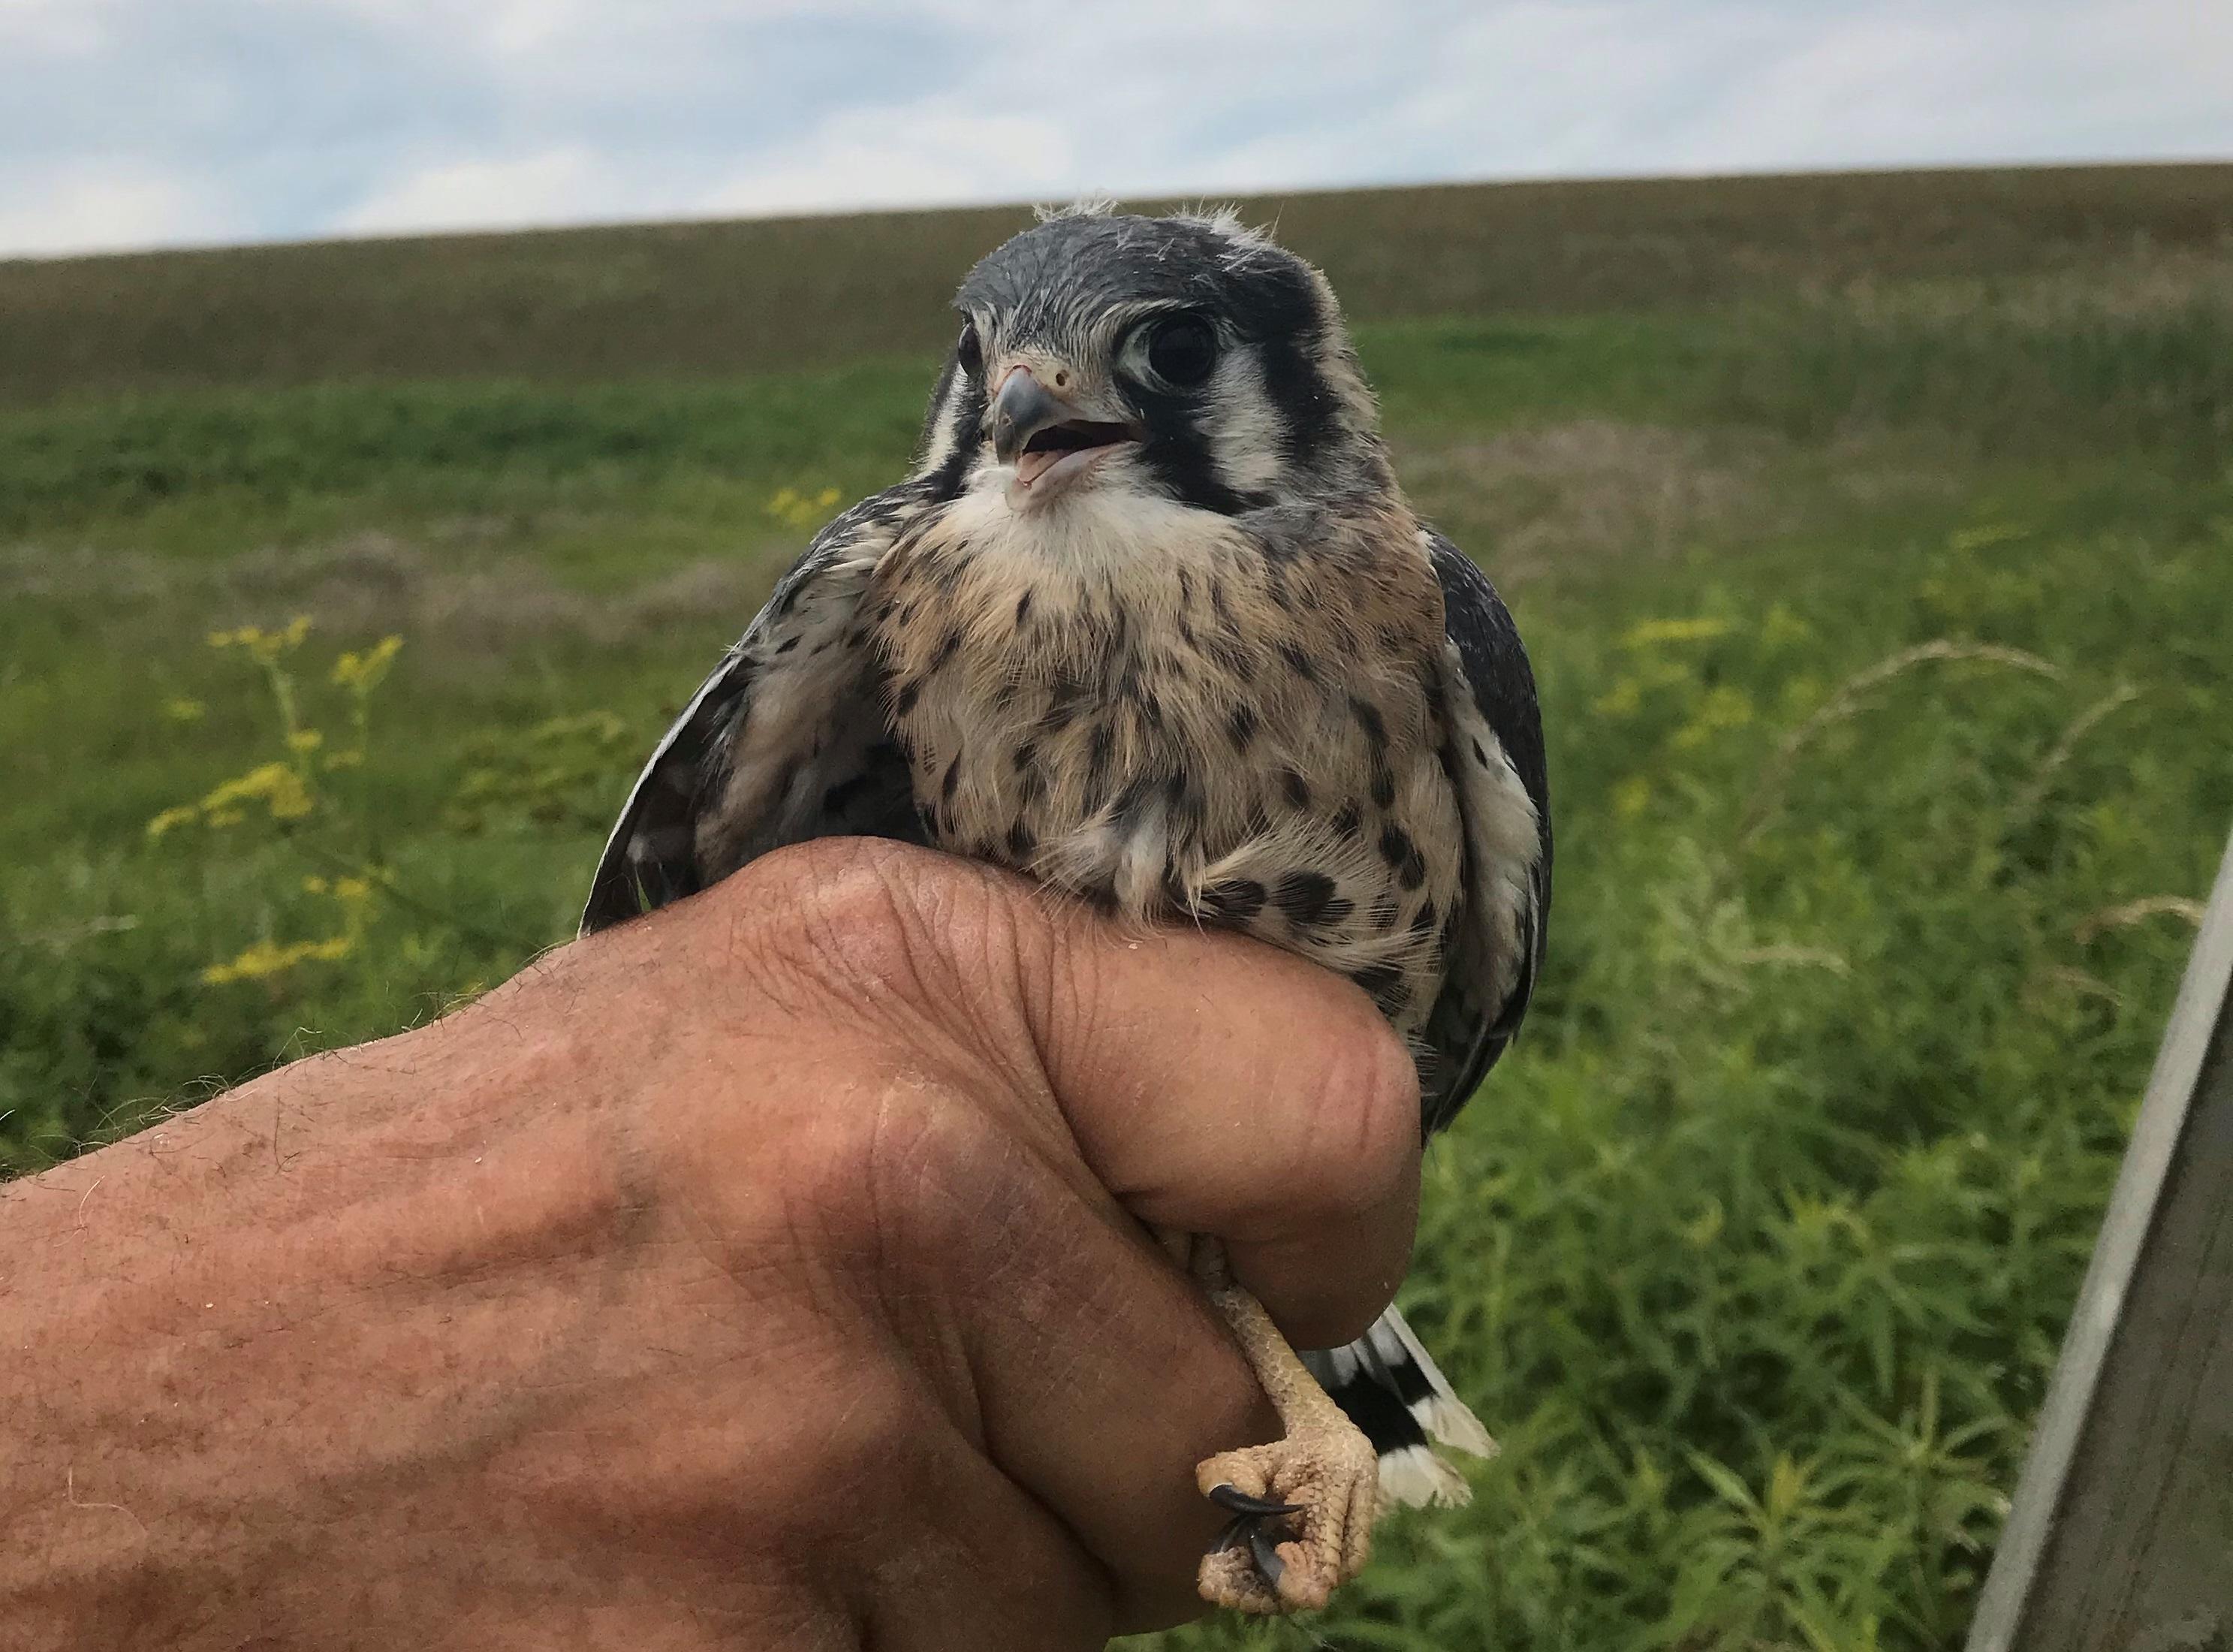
pixel 770 1271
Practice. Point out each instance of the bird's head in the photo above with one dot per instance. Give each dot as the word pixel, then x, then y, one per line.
pixel 1186 358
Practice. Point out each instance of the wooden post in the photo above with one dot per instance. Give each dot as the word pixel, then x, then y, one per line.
pixel 2120 1539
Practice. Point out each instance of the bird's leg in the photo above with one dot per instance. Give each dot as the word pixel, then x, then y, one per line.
pixel 1303 1507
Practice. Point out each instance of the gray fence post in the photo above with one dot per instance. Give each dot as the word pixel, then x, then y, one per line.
pixel 2120 1539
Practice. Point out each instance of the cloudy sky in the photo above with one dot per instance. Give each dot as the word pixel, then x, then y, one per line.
pixel 134 123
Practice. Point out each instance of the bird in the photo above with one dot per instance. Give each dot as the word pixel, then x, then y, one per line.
pixel 1149 621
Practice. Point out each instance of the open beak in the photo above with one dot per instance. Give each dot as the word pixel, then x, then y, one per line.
pixel 1033 429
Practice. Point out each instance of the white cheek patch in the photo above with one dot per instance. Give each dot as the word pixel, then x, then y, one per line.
pixel 1247 436
pixel 945 429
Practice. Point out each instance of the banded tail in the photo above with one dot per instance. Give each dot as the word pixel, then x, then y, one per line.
pixel 1391 1389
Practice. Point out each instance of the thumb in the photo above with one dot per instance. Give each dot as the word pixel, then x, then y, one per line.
pixel 1210 1083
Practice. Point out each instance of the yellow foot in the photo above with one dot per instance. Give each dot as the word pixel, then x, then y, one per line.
pixel 1303 1509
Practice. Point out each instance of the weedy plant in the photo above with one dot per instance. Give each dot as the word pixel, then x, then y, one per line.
pixel 303 797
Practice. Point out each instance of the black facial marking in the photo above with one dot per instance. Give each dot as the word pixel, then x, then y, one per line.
pixel 1383 786
pixel 1241 728
pixel 952 781
pixel 835 799
pixel 1297 789
pixel 1021 840
pixel 1296 386
pixel 1023 606
pixel 1177 453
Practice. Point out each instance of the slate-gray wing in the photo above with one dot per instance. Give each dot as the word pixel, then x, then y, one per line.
pixel 787 740
pixel 1497 950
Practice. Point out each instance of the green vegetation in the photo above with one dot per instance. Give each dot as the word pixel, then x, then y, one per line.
pixel 1882 629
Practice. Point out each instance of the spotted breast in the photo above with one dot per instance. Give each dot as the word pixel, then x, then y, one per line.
pixel 1238 724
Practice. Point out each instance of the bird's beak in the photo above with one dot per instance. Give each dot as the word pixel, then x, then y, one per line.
pixel 1022 408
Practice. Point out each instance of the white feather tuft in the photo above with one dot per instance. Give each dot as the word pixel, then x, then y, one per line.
pixel 1084 206
pixel 1415 1477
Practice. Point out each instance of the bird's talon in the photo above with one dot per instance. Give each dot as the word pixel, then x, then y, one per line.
pixel 1266 1556
pixel 1227 1496
pixel 1298 1552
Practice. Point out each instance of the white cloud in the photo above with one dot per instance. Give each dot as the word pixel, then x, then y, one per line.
pixel 92 207
pixel 566 184
pixel 900 156
pixel 182 119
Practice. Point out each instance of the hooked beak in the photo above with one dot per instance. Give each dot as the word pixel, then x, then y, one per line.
pixel 1023 407
pixel 1039 432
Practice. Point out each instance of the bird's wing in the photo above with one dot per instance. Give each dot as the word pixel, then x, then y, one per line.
pixel 786 741
pixel 1495 759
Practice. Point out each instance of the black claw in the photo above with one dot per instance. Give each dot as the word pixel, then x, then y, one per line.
pixel 1267 1558
pixel 1233 1530
pixel 1226 1497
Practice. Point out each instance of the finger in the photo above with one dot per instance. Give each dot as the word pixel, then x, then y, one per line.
pixel 955 1555
pixel 1094 1374
pixel 1217 1086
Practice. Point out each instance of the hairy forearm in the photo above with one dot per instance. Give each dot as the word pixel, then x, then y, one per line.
pixel 180 1305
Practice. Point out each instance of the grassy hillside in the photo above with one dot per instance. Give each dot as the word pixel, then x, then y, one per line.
pixel 705 300
pixel 1881 625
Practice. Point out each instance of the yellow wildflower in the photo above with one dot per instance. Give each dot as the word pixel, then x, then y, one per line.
pixel 1645 633
pixel 265 958
pixel 1721 708
pixel 363 671
pixel 276 785
pixel 1624 698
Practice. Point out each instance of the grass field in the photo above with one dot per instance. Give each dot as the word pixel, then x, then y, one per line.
pixel 1879 590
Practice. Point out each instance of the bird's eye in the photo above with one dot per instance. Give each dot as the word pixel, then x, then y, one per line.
pixel 969 351
pixel 1182 351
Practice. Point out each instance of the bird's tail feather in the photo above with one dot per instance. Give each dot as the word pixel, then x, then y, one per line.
pixel 1391 1387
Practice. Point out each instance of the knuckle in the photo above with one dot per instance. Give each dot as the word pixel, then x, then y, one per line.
pixel 942 954
pixel 860 917
pixel 896 1181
